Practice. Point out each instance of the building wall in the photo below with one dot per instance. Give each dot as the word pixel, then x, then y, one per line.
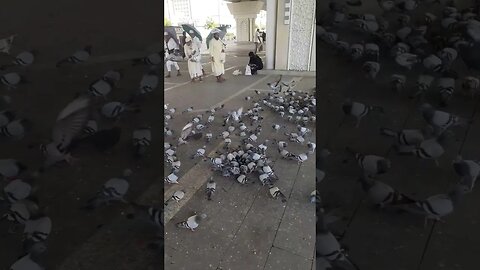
pixel 302 18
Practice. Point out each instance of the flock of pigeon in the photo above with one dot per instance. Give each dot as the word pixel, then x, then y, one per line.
pixel 427 43
pixel 83 121
pixel 249 159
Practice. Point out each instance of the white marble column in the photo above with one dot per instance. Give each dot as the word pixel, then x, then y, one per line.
pixel 245 14
pixel 271 33
pixel 302 21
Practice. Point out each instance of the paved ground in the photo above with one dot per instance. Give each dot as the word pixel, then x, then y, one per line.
pixel 379 240
pixel 245 228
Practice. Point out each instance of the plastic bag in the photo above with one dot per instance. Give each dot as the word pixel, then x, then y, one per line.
pixel 248 71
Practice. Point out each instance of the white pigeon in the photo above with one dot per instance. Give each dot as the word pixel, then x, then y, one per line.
pixel 177 196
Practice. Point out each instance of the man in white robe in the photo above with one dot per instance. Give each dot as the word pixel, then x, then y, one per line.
pixel 217 51
pixel 192 53
pixel 196 42
pixel 170 47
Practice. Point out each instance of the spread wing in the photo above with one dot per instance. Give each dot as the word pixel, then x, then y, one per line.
pixel 71 121
pixel 186 130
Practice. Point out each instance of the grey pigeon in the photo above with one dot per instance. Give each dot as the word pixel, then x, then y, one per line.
pixel 469 170
pixel 437 206
pixel 192 222
pixel 372 165
pixel 382 194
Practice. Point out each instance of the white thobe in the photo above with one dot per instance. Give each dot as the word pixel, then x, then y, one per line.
pixel 215 48
pixel 192 53
pixel 169 46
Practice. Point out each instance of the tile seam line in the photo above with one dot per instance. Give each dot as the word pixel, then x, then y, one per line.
pixel 281 219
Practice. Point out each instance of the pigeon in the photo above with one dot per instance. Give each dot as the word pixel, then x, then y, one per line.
pixel 424 82
pixel 469 170
pixel 276 86
pixel 149 82
pixel 437 206
pixel 371 69
pixel 177 196
pixel 440 120
pixel 372 51
pixel 18 213
pixel 432 148
pixel 38 230
pixel 200 152
pixel 372 165
pixel 407 60
pixel 192 222
pixel 153 59
pixel 91 127
pixel 211 186
pixel 276 193
pixel 69 124
pixel 113 190
pixel 77 57
pixel 356 51
pixel 381 194
pixel 171 178
pixel 432 63
pixel 142 138
pixel 328 247
pixel 115 108
pixel 405 136
pixel 12 80
pixel 16 129
pixel 398 82
pixel 359 110
pixel 189 109
pixel 114 75
pixel 101 87
pixel 16 190
pixel 315 197
pixel 446 87
pixel 23 59
pixel 469 84
pixel 11 168
pixel 28 262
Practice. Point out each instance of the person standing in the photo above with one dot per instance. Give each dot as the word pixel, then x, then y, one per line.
pixel 198 43
pixel 258 41
pixel 192 53
pixel 255 63
pixel 170 47
pixel 217 52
